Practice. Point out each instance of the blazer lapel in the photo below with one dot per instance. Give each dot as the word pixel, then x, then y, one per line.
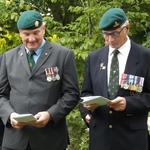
pixel 103 71
pixel 132 61
pixel 47 50
pixel 23 59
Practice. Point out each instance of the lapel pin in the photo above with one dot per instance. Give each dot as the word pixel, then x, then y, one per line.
pixel 21 54
pixel 102 66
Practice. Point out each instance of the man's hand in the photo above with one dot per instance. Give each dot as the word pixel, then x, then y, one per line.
pixel 118 104
pixel 90 107
pixel 42 118
pixel 14 123
pixel 88 118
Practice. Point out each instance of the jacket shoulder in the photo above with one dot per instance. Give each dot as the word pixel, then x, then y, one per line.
pixel 141 49
pixel 58 47
pixel 13 50
pixel 98 52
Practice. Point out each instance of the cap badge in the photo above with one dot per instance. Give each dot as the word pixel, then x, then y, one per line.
pixel 36 23
pixel 116 24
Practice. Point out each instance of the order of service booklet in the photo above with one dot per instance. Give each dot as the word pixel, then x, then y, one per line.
pixel 100 100
pixel 25 118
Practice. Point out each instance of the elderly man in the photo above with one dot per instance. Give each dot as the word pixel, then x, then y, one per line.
pixel 119 72
pixel 38 78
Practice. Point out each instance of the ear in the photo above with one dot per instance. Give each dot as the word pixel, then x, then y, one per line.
pixel 44 25
pixel 43 28
pixel 20 33
pixel 126 29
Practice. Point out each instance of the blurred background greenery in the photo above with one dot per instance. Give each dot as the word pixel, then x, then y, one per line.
pixel 74 24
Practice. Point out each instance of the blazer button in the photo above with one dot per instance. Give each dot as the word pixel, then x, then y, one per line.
pixel 110 112
pixel 110 126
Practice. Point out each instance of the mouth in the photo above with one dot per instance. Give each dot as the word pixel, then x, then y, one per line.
pixel 31 43
pixel 32 46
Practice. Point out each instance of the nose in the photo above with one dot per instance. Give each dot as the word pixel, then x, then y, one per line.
pixel 110 38
pixel 31 38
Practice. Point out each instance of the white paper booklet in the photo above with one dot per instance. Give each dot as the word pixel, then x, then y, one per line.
pixel 25 118
pixel 100 100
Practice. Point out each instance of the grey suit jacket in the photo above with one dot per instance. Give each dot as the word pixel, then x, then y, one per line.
pixel 25 91
pixel 1 123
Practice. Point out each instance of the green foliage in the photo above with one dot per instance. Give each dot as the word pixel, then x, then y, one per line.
pixel 74 24
pixel 8 40
pixel 78 131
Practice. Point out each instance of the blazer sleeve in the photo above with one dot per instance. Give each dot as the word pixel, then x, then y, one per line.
pixel 5 107
pixel 87 88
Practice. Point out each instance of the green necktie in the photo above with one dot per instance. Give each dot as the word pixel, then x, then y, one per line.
pixel 30 59
pixel 114 76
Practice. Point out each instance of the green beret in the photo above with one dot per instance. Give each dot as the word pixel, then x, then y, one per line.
pixel 112 19
pixel 30 19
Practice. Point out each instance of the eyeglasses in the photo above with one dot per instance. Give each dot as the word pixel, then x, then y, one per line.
pixel 113 33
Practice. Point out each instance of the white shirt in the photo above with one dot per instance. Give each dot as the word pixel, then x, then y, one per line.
pixel 122 58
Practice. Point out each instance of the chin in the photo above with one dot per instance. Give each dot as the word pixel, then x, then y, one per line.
pixel 114 46
pixel 32 48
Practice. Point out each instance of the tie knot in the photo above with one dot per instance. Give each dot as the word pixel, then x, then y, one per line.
pixel 116 52
pixel 31 53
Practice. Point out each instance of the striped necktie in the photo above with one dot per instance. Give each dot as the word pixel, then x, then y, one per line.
pixel 30 59
pixel 114 76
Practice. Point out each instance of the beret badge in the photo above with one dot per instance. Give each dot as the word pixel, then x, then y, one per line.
pixel 36 23
pixel 116 24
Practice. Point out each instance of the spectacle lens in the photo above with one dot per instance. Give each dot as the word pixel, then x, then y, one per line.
pixel 113 33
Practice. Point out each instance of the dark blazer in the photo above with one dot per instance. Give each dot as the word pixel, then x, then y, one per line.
pixel 148 141
pixel 112 130
pixel 1 123
pixel 25 91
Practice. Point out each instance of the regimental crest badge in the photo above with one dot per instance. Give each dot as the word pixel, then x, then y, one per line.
pixel 102 66
pixel 116 24
pixel 36 23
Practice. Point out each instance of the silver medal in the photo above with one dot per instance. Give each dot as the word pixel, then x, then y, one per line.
pixel 49 79
pixel 57 77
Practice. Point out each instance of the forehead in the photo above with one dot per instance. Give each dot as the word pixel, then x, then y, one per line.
pixel 109 31
pixel 30 31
